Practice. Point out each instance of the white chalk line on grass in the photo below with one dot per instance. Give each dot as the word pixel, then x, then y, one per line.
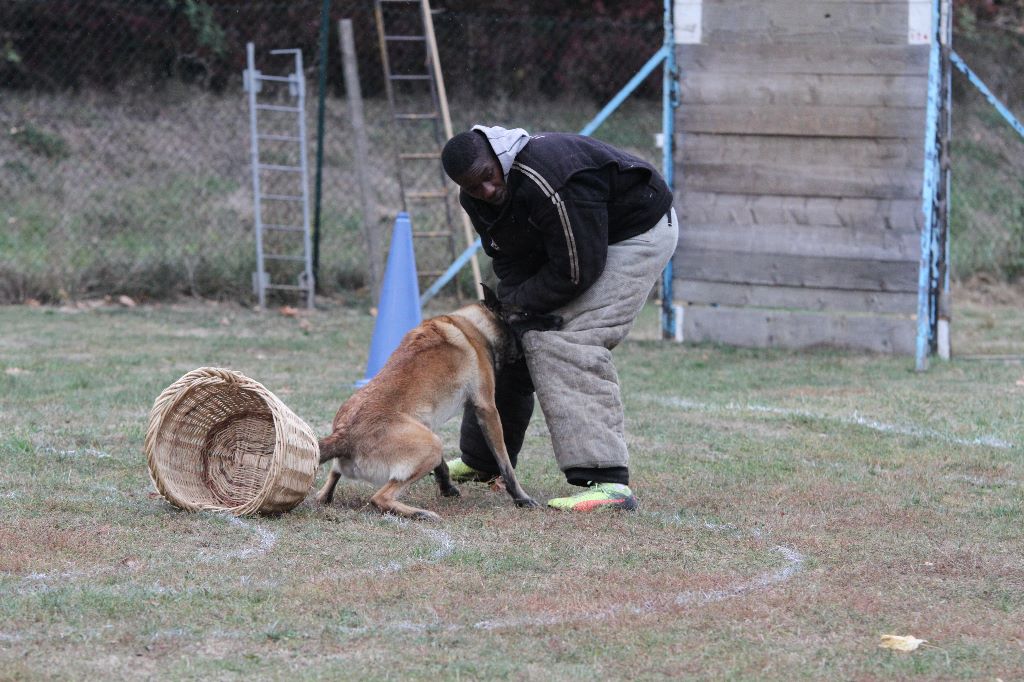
pixel 854 420
pixel 266 541
pixel 442 541
pixel 444 547
pixel 794 564
pixel 45 582
pixel 86 452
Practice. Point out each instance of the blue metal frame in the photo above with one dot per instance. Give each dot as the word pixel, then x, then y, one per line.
pixel 927 263
pixel 993 100
pixel 669 101
pixel 928 273
pixel 452 270
pixel 625 92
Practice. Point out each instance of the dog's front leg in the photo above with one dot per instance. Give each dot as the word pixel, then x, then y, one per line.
pixel 444 480
pixel 490 425
pixel 326 494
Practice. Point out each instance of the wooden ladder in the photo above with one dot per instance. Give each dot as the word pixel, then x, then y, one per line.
pixel 418 105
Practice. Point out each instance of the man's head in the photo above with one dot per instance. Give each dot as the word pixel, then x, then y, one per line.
pixel 469 160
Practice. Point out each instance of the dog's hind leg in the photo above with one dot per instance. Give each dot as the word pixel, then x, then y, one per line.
pixel 326 494
pixel 386 501
pixel 418 451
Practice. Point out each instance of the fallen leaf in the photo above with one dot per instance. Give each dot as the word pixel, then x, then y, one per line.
pixel 289 311
pixel 225 322
pixel 305 325
pixel 1020 382
pixel 15 371
pixel 32 303
pixel 900 643
pixel 126 301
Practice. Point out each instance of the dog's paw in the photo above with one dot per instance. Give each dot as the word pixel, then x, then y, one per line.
pixel 528 503
pixel 451 492
pixel 424 515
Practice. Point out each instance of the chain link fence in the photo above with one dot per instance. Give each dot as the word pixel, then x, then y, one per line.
pixel 124 130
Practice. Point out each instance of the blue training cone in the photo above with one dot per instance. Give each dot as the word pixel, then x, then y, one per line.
pixel 398 310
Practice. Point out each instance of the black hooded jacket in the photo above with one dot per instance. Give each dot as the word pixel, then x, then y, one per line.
pixel 569 197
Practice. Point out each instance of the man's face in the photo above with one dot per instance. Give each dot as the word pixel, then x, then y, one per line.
pixel 485 182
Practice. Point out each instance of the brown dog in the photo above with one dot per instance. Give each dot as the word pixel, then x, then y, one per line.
pixel 384 434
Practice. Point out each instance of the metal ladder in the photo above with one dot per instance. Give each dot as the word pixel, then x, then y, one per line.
pixel 426 192
pixel 276 240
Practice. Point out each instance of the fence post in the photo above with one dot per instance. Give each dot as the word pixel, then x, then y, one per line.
pixel 355 105
pixel 325 18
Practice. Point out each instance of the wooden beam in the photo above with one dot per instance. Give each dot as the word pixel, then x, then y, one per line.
pixel 802 121
pixel 796 271
pixel 872 90
pixel 802 240
pixel 802 22
pixel 754 209
pixel 895 153
pixel 798 298
pixel 804 181
pixel 823 59
pixel 751 327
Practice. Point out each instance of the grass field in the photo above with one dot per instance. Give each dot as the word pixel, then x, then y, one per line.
pixel 794 507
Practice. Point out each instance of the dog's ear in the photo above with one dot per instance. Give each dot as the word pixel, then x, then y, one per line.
pixel 490 298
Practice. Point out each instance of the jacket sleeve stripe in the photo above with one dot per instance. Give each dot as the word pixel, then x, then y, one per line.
pixel 563 216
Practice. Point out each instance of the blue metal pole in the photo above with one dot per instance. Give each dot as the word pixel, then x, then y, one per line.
pixel 452 270
pixel 993 100
pixel 928 198
pixel 626 91
pixel 668 105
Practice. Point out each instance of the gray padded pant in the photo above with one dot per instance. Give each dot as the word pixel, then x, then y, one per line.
pixel 577 385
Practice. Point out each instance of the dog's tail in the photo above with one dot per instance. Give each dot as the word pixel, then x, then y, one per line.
pixel 331 446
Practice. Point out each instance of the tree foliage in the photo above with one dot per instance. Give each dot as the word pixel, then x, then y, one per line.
pixel 542 46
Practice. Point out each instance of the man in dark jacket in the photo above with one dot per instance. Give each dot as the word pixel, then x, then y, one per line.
pixel 578 228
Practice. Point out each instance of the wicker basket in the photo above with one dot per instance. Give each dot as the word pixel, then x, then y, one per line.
pixel 220 441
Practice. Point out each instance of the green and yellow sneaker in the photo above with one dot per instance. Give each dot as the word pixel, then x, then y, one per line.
pixel 597 498
pixel 460 472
